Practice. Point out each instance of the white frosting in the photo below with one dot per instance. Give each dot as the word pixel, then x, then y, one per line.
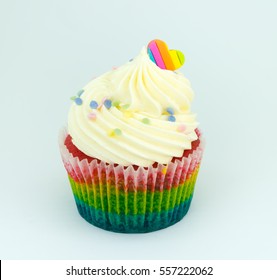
pixel 148 90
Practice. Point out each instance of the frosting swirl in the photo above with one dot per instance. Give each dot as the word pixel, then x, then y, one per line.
pixel 136 114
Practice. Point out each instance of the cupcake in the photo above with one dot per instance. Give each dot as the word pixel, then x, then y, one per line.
pixel 132 147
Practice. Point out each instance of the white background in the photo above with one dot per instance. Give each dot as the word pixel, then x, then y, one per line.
pixel 50 49
pixel 222 269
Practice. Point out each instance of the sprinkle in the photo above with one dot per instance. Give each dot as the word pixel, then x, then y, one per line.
pixel 111 133
pixel 181 128
pixel 128 114
pixel 80 92
pixel 170 111
pixel 78 101
pixel 171 119
pixel 92 116
pixel 117 132
pixel 114 67
pixel 164 170
pixel 108 103
pixel 125 106
pixel 145 121
pixel 115 103
pixel 93 104
pixel 131 59
pixel 73 98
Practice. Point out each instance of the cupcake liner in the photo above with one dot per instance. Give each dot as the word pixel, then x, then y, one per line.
pixel 129 199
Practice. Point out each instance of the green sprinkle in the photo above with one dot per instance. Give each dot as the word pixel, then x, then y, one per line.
pixel 125 106
pixel 117 131
pixel 115 103
pixel 80 92
pixel 145 121
pixel 73 98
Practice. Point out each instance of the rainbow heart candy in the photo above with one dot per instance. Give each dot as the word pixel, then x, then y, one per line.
pixel 163 57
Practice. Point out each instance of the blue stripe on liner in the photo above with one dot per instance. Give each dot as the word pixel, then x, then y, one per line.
pixel 132 223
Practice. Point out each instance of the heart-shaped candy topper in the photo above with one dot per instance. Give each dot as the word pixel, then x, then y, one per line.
pixel 163 57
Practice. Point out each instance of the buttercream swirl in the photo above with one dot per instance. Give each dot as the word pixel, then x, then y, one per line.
pixel 141 94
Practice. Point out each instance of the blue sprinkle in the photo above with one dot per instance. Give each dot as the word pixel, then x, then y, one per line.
pixel 78 101
pixel 80 92
pixel 108 103
pixel 93 104
pixel 171 118
pixel 170 110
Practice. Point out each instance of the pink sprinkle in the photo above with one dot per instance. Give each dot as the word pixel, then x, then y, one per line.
pixel 181 128
pixel 114 67
pixel 92 116
pixel 102 103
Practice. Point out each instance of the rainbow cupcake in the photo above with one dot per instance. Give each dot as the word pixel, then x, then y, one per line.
pixel 132 149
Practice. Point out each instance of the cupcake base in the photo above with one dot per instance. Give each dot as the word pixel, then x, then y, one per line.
pixel 128 199
pixel 153 222
pixel 166 211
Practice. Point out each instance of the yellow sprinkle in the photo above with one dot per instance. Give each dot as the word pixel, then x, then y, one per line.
pixel 164 170
pixel 111 133
pixel 128 114
pixel 115 132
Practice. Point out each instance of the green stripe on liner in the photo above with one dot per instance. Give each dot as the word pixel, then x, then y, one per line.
pixel 110 199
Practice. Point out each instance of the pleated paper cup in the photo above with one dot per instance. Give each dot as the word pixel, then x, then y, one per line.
pixel 131 199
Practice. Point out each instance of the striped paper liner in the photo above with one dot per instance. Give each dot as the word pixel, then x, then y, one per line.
pixel 129 199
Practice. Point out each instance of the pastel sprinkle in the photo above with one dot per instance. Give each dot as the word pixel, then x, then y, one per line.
pixel 181 128
pixel 125 106
pixel 115 103
pixel 80 92
pixel 108 103
pixel 92 116
pixel 171 118
pixel 93 104
pixel 145 121
pixel 117 131
pixel 73 98
pixel 111 133
pixel 78 101
pixel 164 170
pixel 128 114
pixel 170 110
